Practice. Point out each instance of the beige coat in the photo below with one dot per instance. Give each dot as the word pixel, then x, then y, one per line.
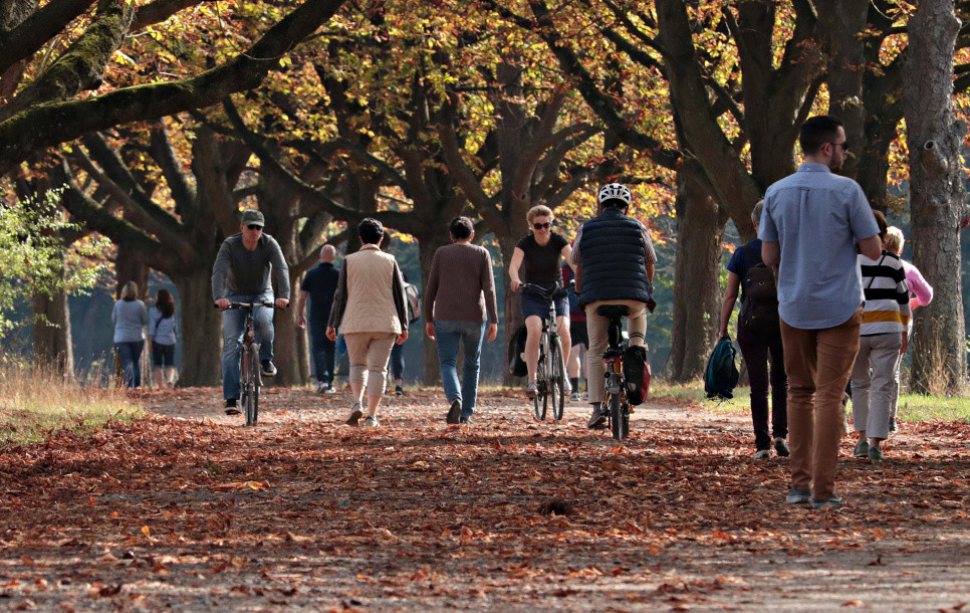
pixel 370 286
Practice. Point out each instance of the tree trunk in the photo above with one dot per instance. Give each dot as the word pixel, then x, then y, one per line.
pixel 201 329
pixel 697 290
pixel 290 350
pixel 432 368
pixel 52 334
pixel 936 196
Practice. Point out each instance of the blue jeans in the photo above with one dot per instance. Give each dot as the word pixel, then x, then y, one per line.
pixel 130 355
pixel 233 329
pixel 471 334
pixel 323 350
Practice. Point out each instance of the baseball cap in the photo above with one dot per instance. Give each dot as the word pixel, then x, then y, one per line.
pixel 250 217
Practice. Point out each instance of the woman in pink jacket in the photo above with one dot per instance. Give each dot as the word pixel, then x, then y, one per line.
pixel 921 294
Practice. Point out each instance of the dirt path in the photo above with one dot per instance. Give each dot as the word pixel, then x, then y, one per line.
pixel 189 511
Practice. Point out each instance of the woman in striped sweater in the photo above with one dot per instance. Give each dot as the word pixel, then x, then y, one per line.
pixel 882 339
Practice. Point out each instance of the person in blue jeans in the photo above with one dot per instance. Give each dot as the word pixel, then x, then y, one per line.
pixel 460 308
pixel 130 318
pixel 241 273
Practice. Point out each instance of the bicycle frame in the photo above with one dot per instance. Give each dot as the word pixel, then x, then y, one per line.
pixel 250 373
pixel 550 366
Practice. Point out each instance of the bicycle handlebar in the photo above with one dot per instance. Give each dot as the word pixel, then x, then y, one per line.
pixel 247 305
pixel 549 294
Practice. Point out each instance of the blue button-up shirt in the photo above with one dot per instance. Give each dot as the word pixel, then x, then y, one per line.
pixel 817 217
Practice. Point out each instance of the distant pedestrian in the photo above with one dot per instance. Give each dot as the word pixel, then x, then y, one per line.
pixel 370 310
pixel 759 336
pixel 320 285
pixel 459 303
pixel 921 293
pixel 578 335
pixel 397 353
pixel 162 336
pixel 809 227
pixel 883 340
pixel 130 318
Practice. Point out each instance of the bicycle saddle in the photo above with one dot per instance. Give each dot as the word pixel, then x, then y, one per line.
pixel 613 311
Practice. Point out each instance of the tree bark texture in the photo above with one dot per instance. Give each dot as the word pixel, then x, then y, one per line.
pixel 201 328
pixel 52 334
pixel 697 291
pixel 937 197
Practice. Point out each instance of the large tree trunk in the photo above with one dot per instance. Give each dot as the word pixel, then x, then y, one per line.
pixel 201 329
pixel 52 334
pixel 937 196
pixel 697 291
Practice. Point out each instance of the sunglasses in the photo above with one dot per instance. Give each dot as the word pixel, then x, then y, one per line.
pixel 542 226
pixel 254 227
pixel 845 145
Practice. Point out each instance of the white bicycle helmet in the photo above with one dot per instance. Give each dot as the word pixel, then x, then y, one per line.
pixel 615 191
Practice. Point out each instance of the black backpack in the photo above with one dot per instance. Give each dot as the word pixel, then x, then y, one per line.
pixel 721 375
pixel 759 309
pixel 517 365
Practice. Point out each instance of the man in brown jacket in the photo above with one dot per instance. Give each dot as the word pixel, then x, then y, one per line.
pixel 459 293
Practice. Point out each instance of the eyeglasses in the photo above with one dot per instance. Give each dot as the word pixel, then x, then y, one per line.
pixel 845 145
pixel 254 227
pixel 542 226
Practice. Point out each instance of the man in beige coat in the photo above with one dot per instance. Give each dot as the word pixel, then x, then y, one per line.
pixel 370 310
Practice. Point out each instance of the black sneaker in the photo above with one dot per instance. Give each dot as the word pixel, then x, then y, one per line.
pixel 467 419
pixel 231 407
pixel 323 387
pixel 398 390
pixel 454 413
pixel 781 447
pixel 268 369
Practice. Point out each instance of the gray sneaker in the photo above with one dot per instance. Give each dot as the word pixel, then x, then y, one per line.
pixel 781 447
pixel 834 502
pixel 799 497
pixel 761 454
pixel 370 422
pixel 875 455
pixel 861 449
pixel 598 418
pixel 355 414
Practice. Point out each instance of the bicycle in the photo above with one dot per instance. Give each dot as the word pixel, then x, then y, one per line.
pixel 551 367
pixel 250 371
pixel 615 398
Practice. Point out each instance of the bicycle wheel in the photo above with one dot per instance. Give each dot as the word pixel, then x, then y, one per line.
pixel 557 381
pixel 541 398
pixel 252 387
pixel 616 417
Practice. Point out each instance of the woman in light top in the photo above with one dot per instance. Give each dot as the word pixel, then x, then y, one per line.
pixel 162 335
pixel 130 318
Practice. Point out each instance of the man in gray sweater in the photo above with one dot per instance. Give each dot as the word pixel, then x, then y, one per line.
pixel 242 274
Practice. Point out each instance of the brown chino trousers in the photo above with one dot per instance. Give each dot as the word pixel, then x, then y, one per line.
pixel 819 364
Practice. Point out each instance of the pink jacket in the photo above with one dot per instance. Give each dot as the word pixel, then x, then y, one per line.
pixel 917 284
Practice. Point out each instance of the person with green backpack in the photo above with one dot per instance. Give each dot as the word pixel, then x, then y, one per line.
pixel 759 336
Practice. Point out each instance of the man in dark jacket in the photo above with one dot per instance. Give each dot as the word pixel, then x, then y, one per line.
pixel 320 284
pixel 614 262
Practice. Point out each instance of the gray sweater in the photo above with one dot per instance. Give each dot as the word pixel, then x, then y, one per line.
pixel 129 317
pixel 238 271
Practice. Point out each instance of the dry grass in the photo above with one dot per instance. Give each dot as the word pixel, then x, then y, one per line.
pixel 33 403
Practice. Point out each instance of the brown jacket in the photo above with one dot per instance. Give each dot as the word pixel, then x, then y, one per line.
pixel 370 294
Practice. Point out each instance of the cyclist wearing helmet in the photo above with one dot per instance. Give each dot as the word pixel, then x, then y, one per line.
pixel 540 251
pixel 614 262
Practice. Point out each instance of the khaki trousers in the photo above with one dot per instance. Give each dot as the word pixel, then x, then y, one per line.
pixel 597 328
pixel 818 363
pixel 369 352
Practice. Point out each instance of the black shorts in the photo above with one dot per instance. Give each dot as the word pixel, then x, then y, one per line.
pixel 578 333
pixel 163 355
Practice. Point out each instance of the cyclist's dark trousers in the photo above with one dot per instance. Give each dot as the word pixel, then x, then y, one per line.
pixel 324 351
pixel 598 328
pixel 233 329
pixel 130 355
pixel 760 350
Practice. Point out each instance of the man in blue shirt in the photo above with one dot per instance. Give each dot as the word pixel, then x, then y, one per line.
pixel 809 229
pixel 320 284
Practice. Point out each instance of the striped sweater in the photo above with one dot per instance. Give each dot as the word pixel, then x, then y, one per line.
pixel 887 295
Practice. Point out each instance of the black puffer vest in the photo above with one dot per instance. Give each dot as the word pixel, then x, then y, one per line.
pixel 611 251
